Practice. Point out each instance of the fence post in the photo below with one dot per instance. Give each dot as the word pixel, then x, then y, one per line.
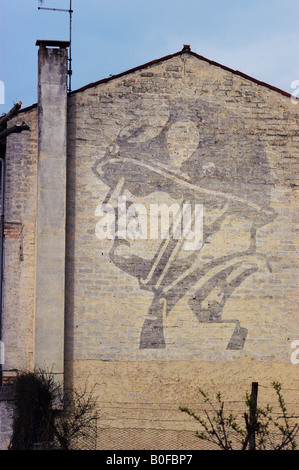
pixel 252 417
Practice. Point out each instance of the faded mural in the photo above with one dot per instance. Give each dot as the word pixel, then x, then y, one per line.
pixel 196 152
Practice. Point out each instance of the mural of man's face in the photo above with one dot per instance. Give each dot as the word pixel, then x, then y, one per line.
pixel 136 247
pixel 183 160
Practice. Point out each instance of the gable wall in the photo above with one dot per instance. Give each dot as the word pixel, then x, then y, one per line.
pixel 246 132
pixel 106 309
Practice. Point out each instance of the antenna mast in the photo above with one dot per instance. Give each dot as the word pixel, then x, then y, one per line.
pixel 70 11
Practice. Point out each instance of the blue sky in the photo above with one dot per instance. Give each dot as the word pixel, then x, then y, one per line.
pixel 257 37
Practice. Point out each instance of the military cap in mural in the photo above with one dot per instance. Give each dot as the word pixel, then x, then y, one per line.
pixel 201 154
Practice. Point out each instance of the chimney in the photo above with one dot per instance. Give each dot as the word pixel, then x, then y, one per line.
pixel 51 208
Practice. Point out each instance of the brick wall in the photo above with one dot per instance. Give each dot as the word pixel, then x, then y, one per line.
pixel 248 133
pixel 245 129
pixel 6 416
pixel 19 238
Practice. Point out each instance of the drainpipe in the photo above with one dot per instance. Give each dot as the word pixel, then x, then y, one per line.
pixel 1 254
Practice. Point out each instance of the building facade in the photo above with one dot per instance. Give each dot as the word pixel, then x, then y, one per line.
pixel 98 289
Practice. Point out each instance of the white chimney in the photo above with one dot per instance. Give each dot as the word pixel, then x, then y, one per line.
pixel 51 207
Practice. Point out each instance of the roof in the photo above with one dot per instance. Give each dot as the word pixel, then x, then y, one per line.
pixel 186 50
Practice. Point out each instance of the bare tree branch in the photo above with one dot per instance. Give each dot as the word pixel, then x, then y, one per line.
pixel 4 130
pixel 14 130
pixel 225 432
pixel 13 112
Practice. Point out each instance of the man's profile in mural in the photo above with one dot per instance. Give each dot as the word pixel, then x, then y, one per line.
pixel 201 154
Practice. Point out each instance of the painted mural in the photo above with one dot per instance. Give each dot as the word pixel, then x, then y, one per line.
pixel 186 161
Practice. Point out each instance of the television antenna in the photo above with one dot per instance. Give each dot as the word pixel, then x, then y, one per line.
pixel 70 12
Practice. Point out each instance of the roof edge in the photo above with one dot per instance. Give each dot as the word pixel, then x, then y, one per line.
pixel 186 50
pixel 27 109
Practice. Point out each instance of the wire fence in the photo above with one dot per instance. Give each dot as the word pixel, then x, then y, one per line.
pixel 86 441
pixel 165 428
pixel 149 439
pixel 154 439
pixel 135 425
